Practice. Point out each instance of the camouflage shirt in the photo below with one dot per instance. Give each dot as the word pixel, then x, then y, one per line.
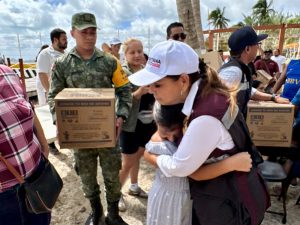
pixel 101 71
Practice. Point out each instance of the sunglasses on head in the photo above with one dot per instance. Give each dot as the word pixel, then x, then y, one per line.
pixel 176 37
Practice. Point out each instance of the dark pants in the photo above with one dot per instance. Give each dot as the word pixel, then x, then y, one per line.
pixel 296 134
pixel 13 209
pixel 86 165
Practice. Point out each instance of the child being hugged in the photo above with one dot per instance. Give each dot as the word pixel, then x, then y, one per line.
pixel 172 194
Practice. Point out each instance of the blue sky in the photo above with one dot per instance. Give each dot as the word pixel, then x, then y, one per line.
pixel 56 2
pixel 32 20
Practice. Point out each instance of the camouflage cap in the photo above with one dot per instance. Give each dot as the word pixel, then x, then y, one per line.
pixel 83 20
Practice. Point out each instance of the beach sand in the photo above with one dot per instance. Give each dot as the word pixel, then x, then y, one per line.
pixel 72 208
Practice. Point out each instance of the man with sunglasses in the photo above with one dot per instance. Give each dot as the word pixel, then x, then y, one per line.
pixel 244 44
pixel 175 31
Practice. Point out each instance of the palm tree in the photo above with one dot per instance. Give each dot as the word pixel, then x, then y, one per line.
pixel 218 20
pixel 238 25
pixel 198 23
pixel 280 18
pixel 248 20
pixel 186 17
pixel 262 11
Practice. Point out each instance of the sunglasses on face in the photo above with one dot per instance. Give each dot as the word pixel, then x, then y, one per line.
pixel 176 37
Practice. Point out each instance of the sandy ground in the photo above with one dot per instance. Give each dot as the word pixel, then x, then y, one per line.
pixel 72 208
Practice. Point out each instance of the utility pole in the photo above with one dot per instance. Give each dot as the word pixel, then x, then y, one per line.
pixel 149 40
pixel 40 36
pixel 19 46
pixel 208 18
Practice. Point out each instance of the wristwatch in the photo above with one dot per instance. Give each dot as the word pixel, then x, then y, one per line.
pixel 273 97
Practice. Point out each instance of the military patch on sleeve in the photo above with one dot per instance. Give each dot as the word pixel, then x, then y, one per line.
pixel 119 77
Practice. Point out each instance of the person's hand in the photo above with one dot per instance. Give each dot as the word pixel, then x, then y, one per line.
pixel 144 89
pixel 281 100
pixel 241 162
pixel 141 91
pixel 151 158
pixel 272 81
pixel 119 125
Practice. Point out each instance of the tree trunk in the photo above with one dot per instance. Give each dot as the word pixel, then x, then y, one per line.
pixel 186 17
pixel 198 22
pixel 218 42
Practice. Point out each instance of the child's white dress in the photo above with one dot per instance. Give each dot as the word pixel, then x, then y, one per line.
pixel 169 201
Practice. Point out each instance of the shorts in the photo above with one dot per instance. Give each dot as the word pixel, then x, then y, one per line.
pixel 131 141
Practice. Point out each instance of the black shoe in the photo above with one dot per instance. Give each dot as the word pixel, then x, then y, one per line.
pixel 92 221
pixel 53 149
pixel 116 220
pixel 113 217
pixel 97 216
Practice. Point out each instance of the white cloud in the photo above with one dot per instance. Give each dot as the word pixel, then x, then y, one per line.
pixel 34 19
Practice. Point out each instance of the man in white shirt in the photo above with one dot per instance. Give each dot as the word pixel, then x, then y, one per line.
pixel 45 60
pixel 44 64
pixel 279 59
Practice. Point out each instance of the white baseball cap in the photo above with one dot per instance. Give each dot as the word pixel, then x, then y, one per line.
pixel 115 41
pixel 166 58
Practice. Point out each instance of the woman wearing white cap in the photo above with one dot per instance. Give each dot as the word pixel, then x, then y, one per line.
pixel 215 130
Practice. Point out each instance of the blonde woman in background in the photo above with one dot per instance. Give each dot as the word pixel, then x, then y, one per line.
pixel 139 126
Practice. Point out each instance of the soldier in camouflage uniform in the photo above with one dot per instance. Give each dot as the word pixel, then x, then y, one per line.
pixel 85 66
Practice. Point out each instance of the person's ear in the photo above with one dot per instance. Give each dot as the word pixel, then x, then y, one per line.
pixel 247 48
pixel 185 80
pixel 72 33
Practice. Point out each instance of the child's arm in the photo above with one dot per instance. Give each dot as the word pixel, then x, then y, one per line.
pixel 238 162
pixel 151 157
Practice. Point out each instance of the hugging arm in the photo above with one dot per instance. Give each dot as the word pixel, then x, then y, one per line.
pixel 238 162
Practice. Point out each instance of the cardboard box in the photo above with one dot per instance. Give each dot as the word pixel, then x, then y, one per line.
pixel 86 118
pixel 263 76
pixel 213 59
pixel 270 124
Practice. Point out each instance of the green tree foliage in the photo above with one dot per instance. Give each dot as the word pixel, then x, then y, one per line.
pixel 262 12
pixel 217 18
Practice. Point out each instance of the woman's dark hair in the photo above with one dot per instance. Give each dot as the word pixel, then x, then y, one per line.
pixel 210 80
pixel 211 83
pixel 42 47
pixel 168 115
